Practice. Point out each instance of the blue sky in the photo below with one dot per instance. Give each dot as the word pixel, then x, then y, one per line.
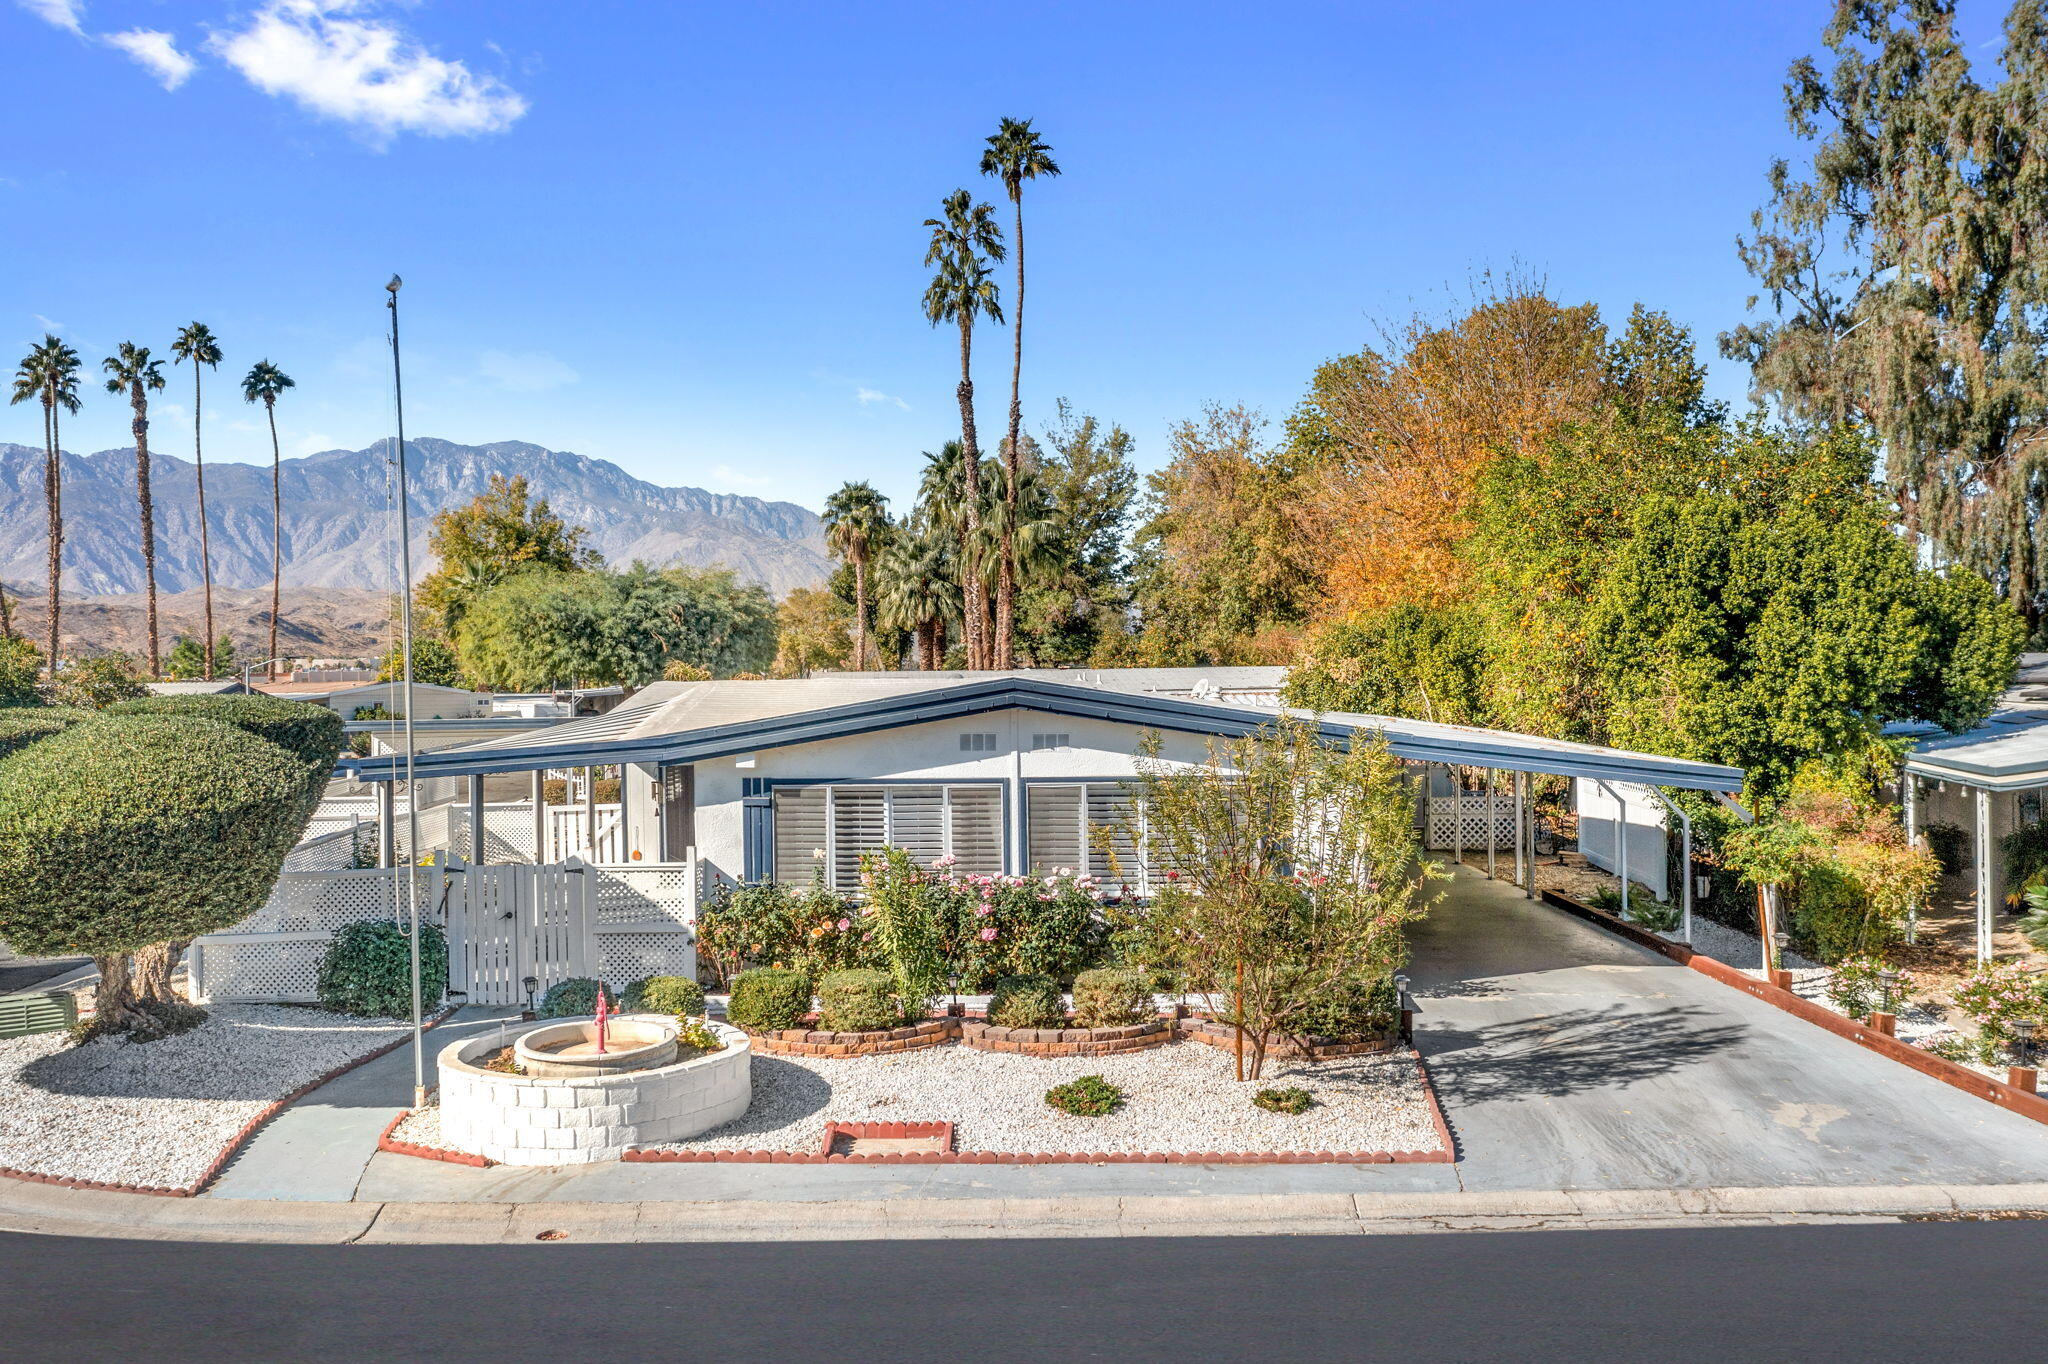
pixel 686 237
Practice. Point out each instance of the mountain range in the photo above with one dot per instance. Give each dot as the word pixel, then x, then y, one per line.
pixel 338 523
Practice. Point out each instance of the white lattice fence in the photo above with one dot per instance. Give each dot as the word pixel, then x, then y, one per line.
pixel 645 921
pixel 273 956
pixel 1462 821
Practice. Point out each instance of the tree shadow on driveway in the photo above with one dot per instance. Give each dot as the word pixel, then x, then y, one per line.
pixel 1572 1052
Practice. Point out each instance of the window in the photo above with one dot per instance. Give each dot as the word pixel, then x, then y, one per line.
pixel 1083 825
pixel 1040 742
pixel 977 743
pixel 841 822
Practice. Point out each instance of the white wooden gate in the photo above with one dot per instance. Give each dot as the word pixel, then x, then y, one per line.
pixel 508 922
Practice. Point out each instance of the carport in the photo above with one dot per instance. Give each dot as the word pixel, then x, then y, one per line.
pixel 1998 771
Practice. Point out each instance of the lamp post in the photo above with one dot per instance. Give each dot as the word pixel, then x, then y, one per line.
pixel 2023 1075
pixel 530 984
pixel 1884 1020
pixel 1780 977
pixel 1407 1010
pixel 953 992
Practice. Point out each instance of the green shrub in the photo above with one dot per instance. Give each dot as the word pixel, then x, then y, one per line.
pixel 1950 844
pixel 1854 986
pixel 766 999
pixel 1646 911
pixel 98 682
pixel 310 733
pixel 1351 1009
pixel 1831 918
pixel 1091 1096
pixel 911 924
pixel 1290 1100
pixel 21 726
pixel 123 831
pixel 367 970
pixel 1026 1002
pixel 575 997
pixel 677 995
pixel 858 1001
pixel 1112 997
pixel 2025 852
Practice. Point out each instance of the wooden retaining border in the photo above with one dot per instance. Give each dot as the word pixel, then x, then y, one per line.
pixel 236 1142
pixel 1067 1040
pixel 1956 1076
pixel 882 1042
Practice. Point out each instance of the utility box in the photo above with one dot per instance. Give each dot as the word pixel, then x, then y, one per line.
pixel 35 1011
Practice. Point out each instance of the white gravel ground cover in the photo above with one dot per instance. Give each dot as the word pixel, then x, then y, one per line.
pixel 157 1114
pixel 1179 1097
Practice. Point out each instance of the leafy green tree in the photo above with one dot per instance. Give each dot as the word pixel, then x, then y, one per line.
pixel 1907 274
pixel 857 526
pixel 224 658
pixel 134 373
pixel 197 344
pixel 1431 662
pixel 502 531
pixel 964 242
pixel 812 631
pixel 97 682
pixel 1016 153
pixel 187 659
pixel 433 662
pixel 263 383
pixel 917 593
pixel 21 670
pixel 49 375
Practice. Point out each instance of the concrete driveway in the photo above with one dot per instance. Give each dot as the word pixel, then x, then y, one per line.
pixel 1569 1059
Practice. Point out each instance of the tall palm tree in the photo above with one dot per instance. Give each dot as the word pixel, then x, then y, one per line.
pixel 132 372
pixel 964 241
pixel 856 524
pixel 1015 154
pixel 263 383
pixel 49 375
pixel 916 593
pixel 197 343
pixel 942 513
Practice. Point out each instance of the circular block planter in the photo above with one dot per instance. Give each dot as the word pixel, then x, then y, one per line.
pixel 577 1119
pixel 882 1042
pixel 1072 1040
pixel 567 1050
pixel 1213 1034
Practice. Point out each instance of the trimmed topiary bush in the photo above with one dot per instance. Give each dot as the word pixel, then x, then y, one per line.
pixel 310 733
pixel 677 995
pixel 1026 1002
pixel 575 997
pixel 1351 1010
pixel 367 970
pixel 1091 1096
pixel 766 999
pixel 21 726
pixel 858 1001
pixel 1112 997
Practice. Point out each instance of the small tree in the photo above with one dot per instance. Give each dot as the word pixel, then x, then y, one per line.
pixel 93 683
pixel 1287 869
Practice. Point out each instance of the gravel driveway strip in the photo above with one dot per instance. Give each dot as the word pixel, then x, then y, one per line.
pixel 156 1114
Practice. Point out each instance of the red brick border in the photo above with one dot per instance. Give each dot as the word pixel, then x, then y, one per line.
pixel 1071 1040
pixel 2006 1096
pixel 811 1042
pixel 235 1143
pixel 1444 1155
pixel 387 1142
pixel 856 1130
pixel 1221 1035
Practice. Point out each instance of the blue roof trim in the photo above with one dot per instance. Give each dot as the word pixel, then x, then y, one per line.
pixel 1477 748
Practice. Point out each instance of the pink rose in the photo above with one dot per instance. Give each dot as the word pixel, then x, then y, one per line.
pixel 988 934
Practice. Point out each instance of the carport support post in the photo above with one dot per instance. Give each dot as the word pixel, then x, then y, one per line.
pixel 1492 827
pixel 1909 799
pixel 1620 840
pixel 387 819
pixel 1517 784
pixel 1457 814
pixel 590 814
pixel 1983 875
pixel 540 816
pixel 476 821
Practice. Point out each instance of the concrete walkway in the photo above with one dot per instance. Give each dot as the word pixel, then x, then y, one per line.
pixel 1567 1058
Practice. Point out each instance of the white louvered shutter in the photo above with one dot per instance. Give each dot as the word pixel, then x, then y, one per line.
pixel 976 834
pixel 917 822
pixel 859 825
pixel 799 832
pixel 1053 829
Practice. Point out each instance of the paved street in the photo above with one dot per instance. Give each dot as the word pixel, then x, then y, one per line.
pixel 1809 1293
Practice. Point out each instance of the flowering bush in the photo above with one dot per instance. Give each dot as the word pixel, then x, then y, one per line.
pixel 1854 986
pixel 1997 996
pixel 814 930
pixel 983 927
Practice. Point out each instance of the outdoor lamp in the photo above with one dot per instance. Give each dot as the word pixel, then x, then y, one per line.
pixel 953 986
pixel 532 983
pixel 1782 940
pixel 2023 1033
pixel 1400 989
pixel 1702 887
pixel 1888 982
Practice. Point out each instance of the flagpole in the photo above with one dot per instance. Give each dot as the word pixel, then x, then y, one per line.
pixel 412 799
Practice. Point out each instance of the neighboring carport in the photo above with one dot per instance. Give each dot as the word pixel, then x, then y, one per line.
pixel 1991 766
pixel 1569 1058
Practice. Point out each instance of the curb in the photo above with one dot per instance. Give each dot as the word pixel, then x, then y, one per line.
pixel 234 1143
pixel 387 1142
pixel 1992 1091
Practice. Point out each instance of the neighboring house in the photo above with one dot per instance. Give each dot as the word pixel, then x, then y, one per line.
pixel 219 686
pixel 429 701
pixel 1006 772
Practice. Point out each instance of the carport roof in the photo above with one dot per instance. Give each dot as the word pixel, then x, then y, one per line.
pixel 679 722
pixel 2008 752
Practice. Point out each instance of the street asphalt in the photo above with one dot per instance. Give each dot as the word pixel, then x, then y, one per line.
pixel 1899 1291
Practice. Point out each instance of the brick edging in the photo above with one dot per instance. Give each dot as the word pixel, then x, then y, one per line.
pixel 1071 1040
pixel 1220 1035
pixel 235 1143
pixel 387 1142
pixel 1956 1076
pixel 932 1032
pixel 1445 1155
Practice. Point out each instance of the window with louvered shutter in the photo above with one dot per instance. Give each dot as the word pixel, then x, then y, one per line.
pixel 1053 828
pixel 917 821
pixel 976 828
pixel 859 825
pixel 799 831
pixel 1109 832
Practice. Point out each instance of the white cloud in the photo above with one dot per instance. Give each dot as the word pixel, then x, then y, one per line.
pixel 725 478
pixel 46 324
pixel 156 51
pixel 524 372
pixel 368 74
pixel 870 397
pixel 65 14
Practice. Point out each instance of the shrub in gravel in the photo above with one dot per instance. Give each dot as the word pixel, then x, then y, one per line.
pixel 1091 1096
pixel 575 997
pixel 1351 1009
pixel 367 970
pixel 1293 1099
pixel 677 995
pixel 1112 997
pixel 766 999
pixel 858 1001
pixel 1026 1002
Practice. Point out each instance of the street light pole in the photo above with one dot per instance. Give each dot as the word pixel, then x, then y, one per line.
pixel 412 799
pixel 248 668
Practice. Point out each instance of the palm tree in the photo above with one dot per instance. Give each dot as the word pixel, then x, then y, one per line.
pixel 198 344
pixel 917 593
pixel 132 372
pixel 963 243
pixel 1015 154
pixel 263 383
pixel 49 375
pixel 942 513
pixel 856 523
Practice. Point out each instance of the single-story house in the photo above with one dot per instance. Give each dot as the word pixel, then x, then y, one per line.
pixel 430 701
pixel 219 686
pixel 1004 771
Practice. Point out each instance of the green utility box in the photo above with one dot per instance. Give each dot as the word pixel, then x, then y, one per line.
pixel 35 1011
